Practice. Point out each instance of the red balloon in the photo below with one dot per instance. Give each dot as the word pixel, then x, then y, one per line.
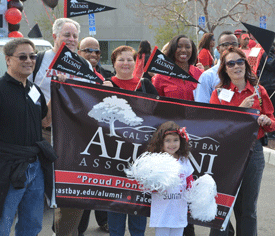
pixel 13 16
pixel 15 34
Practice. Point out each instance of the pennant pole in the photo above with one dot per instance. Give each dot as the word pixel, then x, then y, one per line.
pixel 150 59
pixel 262 70
pixel 196 14
pixel 147 65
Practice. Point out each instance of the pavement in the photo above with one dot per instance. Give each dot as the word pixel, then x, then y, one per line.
pixel 266 208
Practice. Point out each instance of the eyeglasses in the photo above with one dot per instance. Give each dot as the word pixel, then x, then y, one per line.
pixel 226 44
pixel 90 50
pixel 25 57
pixel 239 62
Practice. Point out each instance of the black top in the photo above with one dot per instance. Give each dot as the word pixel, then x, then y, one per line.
pixel 146 86
pixel 20 118
pixel 105 73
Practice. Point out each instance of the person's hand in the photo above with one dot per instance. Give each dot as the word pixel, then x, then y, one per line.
pixel 61 77
pixel 264 120
pixel 107 83
pixel 200 66
pixel 248 101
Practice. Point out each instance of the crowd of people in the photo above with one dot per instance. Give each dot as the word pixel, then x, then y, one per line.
pixel 25 102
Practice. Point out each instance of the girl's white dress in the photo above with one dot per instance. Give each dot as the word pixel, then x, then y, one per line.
pixel 170 210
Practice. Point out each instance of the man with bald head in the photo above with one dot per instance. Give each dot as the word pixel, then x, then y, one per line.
pixel 90 50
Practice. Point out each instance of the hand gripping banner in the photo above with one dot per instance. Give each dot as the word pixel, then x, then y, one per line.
pixel 98 130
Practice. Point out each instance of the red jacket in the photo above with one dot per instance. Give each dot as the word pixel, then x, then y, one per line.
pixel 266 108
pixel 177 88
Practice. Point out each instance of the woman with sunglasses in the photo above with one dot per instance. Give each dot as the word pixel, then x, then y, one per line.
pixel 206 45
pixel 237 79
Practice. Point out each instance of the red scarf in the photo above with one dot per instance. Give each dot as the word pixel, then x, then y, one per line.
pixel 129 84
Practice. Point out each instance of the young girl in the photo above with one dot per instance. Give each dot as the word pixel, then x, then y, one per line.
pixel 169 211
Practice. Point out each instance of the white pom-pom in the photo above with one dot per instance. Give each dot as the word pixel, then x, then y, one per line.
pixel 201 198
pixel 155 172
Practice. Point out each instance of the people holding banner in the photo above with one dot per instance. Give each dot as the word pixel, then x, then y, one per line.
pixel 123 59
pixel 209 79
pixel 238 87
pixel 64 30
pixel 24 166
pixel 183 52
pixel 169 215
pixel 205 48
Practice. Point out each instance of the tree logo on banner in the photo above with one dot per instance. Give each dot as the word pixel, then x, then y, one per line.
pixel 115 109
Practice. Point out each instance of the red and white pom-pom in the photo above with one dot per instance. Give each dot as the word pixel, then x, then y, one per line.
pixel 201 198
pixel 155 172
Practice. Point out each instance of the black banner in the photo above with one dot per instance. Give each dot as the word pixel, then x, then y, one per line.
pixel 98 130
pixel 160 64
pixel 67 61
pixel 74 8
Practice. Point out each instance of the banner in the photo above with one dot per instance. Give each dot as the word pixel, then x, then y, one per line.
pixel 67 61
pixel 98 130
pixel 161 64
pixel 81 7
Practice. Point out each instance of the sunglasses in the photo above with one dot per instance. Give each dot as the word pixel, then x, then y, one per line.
pixel 90 50
pixel 239 62
pixel 234 44
pixel 25 57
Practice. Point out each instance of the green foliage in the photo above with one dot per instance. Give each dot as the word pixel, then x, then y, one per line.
pixel 45 24
pixel 167 30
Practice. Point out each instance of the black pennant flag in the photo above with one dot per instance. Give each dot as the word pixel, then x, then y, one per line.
pixel 69 62
pixel 160 64
pixel 74 8
pixel 264 37
pixel 35 32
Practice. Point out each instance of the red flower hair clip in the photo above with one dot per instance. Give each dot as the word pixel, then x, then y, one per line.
pixel 181 132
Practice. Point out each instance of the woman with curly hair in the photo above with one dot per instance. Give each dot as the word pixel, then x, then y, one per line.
pixel 168 214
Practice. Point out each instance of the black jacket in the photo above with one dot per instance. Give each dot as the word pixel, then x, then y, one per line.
pixel 105 73
pixel 14 160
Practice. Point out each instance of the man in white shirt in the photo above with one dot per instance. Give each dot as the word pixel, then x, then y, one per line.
pixel 66 220
pixel 210 79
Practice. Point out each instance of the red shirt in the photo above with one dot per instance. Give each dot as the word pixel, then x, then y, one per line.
pixel 177 88
pixel 266 108
pixel 205 57
pixel 130 84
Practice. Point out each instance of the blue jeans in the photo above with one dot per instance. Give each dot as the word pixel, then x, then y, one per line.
pixel 116 222
pixel 29 201
pixel 245 208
